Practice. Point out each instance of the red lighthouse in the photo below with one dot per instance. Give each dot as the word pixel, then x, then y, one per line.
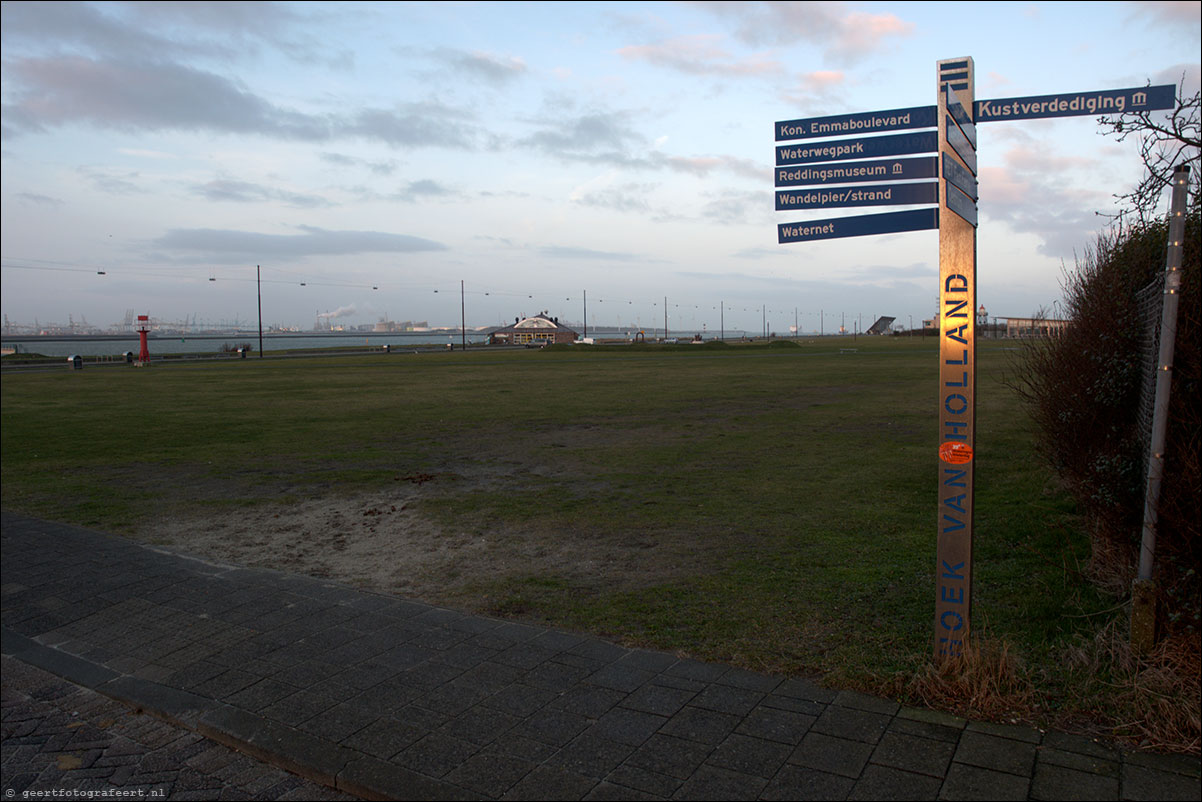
pixel 143 330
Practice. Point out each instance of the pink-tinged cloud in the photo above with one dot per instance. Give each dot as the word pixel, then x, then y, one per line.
pixel 1036 159
pixel 700 55
pixel 1177 16
pixel 1005 188
pixel 846 37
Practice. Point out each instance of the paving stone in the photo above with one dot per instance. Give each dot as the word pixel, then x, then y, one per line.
pixel 1054 782
pixel 588 700
pixel 997 753
pixel 1142 782
pixel 710 782
pixel 551 783
pixel 384 737
pixel 802 783
pixel 971 783
pixel 783 726
pixel 830 754
pixel 914 754
pixel 490 774
pixel 658 699
pixel 704 726
pixel 480 725
pixel 666 754
pixel 590 756
pixel 550 726
pixel 645 781
pixel 630 727
pixel 435 755
pixel 852 724
pixel 885 783
pixel 728 699
pixel 748 755
pixel 1015 732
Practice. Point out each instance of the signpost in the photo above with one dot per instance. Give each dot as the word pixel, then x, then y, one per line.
pixel 957 363
pixel 951 207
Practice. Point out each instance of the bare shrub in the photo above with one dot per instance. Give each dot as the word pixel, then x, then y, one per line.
pixel 1083 388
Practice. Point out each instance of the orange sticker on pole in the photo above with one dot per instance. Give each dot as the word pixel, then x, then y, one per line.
pixel 955 453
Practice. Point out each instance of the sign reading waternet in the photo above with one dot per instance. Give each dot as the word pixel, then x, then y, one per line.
pixel 950 205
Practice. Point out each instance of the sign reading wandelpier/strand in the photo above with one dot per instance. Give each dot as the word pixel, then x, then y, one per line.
pixel 951 207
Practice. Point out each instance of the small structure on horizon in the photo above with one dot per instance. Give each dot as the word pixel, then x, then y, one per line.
pixel 881 326
pixel 143 330
pixel 538 329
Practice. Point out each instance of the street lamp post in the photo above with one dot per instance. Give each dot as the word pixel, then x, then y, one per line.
pixel 259 284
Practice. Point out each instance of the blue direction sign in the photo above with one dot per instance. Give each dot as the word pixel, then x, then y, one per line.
pixel 956 109
pixel 877 195
pixel 868 122
pixel 844 149
pixel 1075 104
pixel 962 205
pixel 960 178
pixel 860 226
pixel 960 144
pixel 856 172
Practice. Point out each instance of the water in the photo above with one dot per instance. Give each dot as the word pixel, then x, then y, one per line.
pixel 67 345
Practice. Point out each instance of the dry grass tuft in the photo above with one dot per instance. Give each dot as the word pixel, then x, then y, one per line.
pixel 1155 701
pixel 988 681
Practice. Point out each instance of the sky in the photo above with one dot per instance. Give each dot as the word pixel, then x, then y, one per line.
pixel 375 158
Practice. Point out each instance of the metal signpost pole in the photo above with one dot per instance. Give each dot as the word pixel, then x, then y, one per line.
pixel 1143 597
pixel 957 356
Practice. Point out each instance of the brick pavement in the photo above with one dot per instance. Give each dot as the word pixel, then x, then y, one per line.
pixel 58 737
pixel 385 697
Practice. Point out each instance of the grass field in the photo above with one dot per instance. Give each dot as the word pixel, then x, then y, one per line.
pixel 769 506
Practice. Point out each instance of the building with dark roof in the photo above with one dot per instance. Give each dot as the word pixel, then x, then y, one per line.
pixel 535 330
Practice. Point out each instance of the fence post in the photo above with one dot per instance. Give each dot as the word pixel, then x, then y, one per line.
pixel 1143 591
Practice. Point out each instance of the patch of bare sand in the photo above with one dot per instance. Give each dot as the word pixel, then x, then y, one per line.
pixel 383 542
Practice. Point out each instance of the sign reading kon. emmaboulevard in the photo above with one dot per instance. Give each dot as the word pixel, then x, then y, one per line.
pixel 820 167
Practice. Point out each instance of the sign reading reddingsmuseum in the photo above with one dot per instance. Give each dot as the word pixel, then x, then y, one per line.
pixel 841 172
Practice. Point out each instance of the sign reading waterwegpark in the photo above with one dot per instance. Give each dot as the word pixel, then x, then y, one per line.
pixel 867 147
pixel 821 167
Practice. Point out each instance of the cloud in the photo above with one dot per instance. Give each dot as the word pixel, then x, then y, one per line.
pixel 1062 217
pixel 815 85
pixel 565 252
pixel 228 244
pixel 224 32
pixel 112 183
pixel 586 133
pixel 41 200
pixel 1175 17
pixel 847 37
pixel 700 54
pixel 245 192
pixel 49 92
pixel 628 197
pixel 492 69
pixel 342 160
pixel 424 189
pixel 607 139
pixel 130 96
pixel 732 207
